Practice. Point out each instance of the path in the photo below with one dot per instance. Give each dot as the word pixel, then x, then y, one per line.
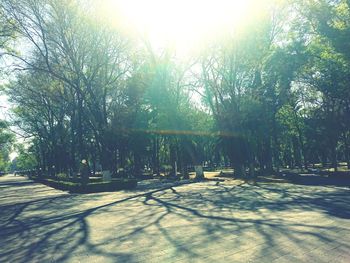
pixel 200 222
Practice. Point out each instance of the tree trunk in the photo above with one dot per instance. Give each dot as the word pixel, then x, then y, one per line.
pixel 137 164
pixel 155 156
pixel 276 150
pixel 251 169
pixel 296 153
pixel 334 157
pixel 300 138
pixel 268 161
pixel 347 149
pixel 73 170
pixel 173 158
pixel 81 147
pixel 239 170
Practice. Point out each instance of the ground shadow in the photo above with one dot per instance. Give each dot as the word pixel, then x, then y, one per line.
pixel 178 221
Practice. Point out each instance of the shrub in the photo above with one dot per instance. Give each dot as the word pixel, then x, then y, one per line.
pixel 62 177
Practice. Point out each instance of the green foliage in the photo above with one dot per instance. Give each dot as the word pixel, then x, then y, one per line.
pixel 6 141
pixel 25 160
pixel 62 177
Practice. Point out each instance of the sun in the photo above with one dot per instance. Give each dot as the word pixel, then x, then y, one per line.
pixel 181 23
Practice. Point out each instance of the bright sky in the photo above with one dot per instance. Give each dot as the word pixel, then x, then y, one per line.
pixel 3 100
pixel 3 107
pixel 182 23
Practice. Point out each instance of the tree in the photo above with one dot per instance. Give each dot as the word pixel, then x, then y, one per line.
pixel 25 160
pixel 6 141
pixel 273 92
pixel 327 71
pixel 7 31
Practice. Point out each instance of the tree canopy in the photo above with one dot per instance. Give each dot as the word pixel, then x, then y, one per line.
pixel 274 93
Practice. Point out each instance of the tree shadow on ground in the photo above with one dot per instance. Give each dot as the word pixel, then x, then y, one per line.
pixel 189 221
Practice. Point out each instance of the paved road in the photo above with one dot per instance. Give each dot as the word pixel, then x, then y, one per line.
pixel 226 221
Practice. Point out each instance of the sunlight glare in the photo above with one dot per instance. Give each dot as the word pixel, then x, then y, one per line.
pixel 182 23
